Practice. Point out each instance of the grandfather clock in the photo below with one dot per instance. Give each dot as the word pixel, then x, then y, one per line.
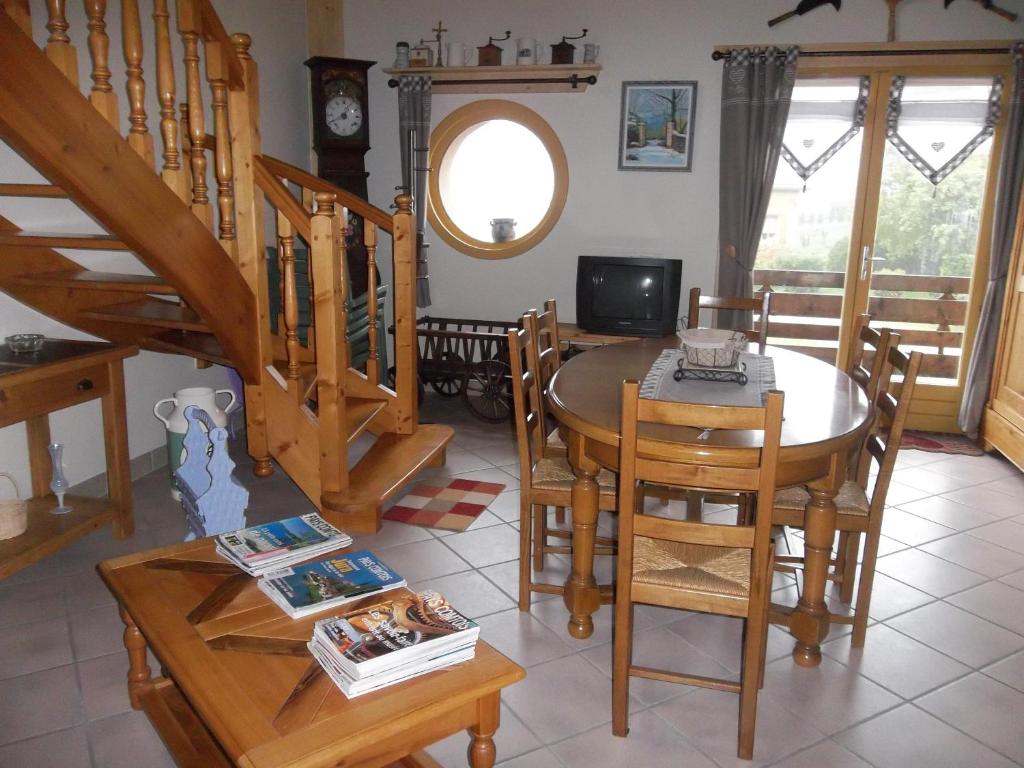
pixel 341 132
pixel 341 137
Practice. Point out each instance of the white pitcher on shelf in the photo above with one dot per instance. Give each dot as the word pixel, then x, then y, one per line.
pixel 176 425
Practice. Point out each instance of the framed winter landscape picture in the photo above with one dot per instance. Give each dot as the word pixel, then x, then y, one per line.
pixel 656 129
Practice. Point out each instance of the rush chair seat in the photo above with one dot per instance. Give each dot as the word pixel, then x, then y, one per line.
pixel 858 511
pixel 761 306
pixel 692 565
pixel 543 481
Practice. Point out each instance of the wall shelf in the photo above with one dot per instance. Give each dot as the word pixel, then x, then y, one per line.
pixel 536 78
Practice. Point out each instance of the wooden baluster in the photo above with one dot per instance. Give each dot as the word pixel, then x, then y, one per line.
pixel 139 137
pixel 330 341
pixel 308 202
pixel 196 126
pixel 216 74
pixel 20 14
pixel 341 254
pixel 172 172
pixel 370 239
pixel 58 45
pixel 102 94
pixel 403 247
pixel 286 248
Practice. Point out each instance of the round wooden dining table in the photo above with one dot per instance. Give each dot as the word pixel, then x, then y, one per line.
pixel 826 415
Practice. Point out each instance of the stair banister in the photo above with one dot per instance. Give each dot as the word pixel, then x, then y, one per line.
pixel 372 359
pixel 139 137
pixel 58 45
pixel 20 13
pixel 102 94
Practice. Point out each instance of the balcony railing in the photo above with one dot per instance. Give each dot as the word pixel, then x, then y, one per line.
pixel 927 311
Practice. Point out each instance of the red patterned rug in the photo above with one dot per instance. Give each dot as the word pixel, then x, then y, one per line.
pixel 940 442
pixel 453 507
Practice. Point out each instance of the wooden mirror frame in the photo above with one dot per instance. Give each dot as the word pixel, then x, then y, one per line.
pixel 441 140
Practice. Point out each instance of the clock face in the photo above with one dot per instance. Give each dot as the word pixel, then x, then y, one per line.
pixel 343 114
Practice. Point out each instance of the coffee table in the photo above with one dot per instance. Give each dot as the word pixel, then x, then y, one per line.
pixel 240 688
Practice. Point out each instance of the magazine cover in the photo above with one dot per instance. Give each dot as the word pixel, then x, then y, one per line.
pixel 353 687
pixel 412 623
pixel 331 580
pixel 268 540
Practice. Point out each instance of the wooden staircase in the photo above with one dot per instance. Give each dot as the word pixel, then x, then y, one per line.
pixel 207 296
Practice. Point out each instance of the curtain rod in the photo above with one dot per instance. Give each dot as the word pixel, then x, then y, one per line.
pixel 573 80
pixel 719 55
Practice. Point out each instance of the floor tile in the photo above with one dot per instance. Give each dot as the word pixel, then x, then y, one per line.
pixel 506 577
pixel 24 602
pixel 720 637
pixel 472 593
pixel 988 499
pixel 890 597
pixel 66 749
pixel 908 736
pixel 1011 486
pixel 486 546
pixel 827 753
pixel 392 534
pixel 38 703
pixel 1010 671
pixel 651 741
pixel 104 682
pixel 1014 579
pixel 1005 533
pixel 911 529
pixel 899 493
pixel 659 648
pixel 560 698
pixel 512 739
pixel 896 662
pixel 999 603
pixel 984 708
pixel 976 554
pixel 506 506
pixel 978 469
pixel 541 758
pixel 32 647
pixel 930 574
pixel 423 560
pixel 930 482
pixel 707 719
pixel 96 632
pixel 949 513
pixel 555 617
pixel 498 454
pixel 523 638
pixel 829 697
pixel 127 741
pixel 957 633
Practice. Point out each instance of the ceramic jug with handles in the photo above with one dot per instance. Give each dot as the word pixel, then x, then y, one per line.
pixel 176 425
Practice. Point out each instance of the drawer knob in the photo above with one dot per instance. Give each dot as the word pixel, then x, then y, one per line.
pixel 85 385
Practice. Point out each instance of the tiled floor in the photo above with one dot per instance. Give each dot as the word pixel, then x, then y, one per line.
pixel 940 682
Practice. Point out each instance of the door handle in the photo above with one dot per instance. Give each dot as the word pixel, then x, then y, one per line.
pixel 865 259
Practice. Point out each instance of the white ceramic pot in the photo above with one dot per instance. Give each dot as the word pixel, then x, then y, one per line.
pixel 176 424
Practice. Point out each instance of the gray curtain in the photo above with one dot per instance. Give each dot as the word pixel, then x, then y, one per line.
pixel 414 133
pixel 757 85
pixel 1008 193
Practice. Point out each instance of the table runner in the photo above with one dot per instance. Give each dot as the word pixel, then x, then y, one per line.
pixel 658 384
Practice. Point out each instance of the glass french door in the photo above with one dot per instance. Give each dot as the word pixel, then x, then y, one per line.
pixel 883 204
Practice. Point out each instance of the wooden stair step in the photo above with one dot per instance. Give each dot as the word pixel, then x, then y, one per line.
pixel 98 281
pixel 29 239
pixel 202 345
pixel 359 412
pixel 31 190
pixel 390 463
pixel 150 311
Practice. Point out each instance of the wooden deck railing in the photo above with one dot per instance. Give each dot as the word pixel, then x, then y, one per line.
pixel 928 311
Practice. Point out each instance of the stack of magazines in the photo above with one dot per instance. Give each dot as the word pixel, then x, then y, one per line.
pixel 328 583
pixel 280 544
pixel 392 640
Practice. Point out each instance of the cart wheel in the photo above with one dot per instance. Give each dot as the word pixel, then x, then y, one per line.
pixel 450 384
pixel 487 392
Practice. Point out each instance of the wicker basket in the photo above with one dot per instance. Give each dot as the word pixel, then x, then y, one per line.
pixel 13 514
pixel 712 348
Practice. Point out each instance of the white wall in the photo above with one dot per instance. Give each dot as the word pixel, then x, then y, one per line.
pixel 610 211
pixel 279 47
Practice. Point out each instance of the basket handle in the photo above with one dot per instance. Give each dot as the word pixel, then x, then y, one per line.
pixel 10 477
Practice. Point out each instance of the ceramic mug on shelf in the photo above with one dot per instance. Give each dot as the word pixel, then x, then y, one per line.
pixel 458 55
pixel 526 50
pixel 590 52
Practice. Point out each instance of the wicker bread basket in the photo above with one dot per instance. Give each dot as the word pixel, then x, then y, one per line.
pixel 13 514
pixel 711 347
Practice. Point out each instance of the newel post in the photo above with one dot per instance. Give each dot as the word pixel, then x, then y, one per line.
pixel 328 308
pixel 404 239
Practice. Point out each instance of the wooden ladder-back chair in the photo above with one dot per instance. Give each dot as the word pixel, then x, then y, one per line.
pixel 857 511
pixel 761 306
pixel 719 569
pixel 543 481
pixel 544 330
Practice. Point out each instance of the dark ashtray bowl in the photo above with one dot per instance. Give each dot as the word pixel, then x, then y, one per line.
pixel 21 343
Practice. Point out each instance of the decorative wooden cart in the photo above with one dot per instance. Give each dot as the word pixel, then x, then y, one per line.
pixel 468 359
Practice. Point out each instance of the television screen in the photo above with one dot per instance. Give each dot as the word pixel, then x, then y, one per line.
pixel 627 296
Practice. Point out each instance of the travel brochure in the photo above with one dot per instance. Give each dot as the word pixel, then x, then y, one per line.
pixel 260 549
pixel 327 583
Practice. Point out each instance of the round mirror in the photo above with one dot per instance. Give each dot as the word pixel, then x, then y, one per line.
pixel 500 179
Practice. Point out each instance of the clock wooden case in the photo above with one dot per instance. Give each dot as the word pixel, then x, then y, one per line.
pixel 341 131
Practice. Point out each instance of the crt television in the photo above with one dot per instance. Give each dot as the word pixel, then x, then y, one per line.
pixel 625 296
